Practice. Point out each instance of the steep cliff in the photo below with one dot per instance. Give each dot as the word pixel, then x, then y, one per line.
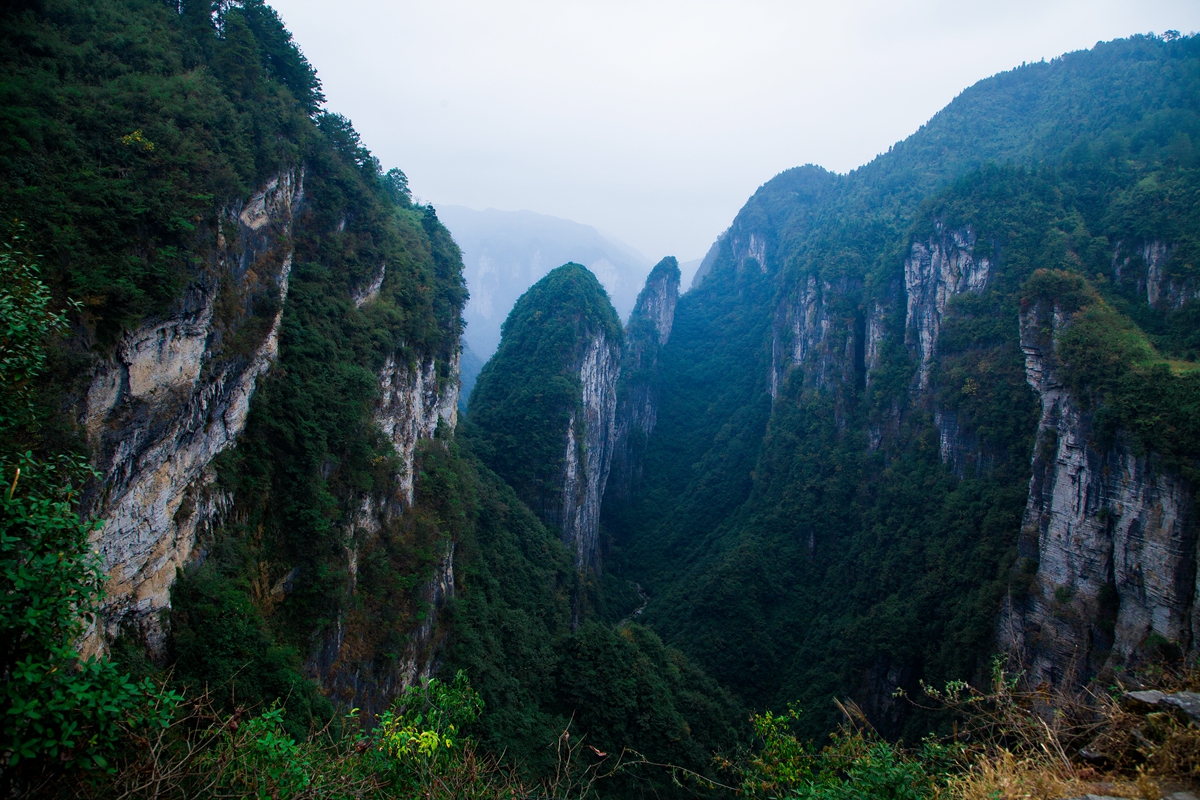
pixel 264 368
pixel 587 453
pixel 1111 530
pixel 647 333
pixel 174 395
pixel 544 405
pixel 411 405
pixel 936 271
pixel 266 337
pixel 939 269
pixel 833 497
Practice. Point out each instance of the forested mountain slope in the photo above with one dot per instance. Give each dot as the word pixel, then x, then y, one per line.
pixel 945 404
pixel 247 274
pixel 544 405
pixel 544 416
pixel 837 497
pixel 263 369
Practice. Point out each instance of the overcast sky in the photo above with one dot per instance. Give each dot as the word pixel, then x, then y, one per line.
pixel 655 120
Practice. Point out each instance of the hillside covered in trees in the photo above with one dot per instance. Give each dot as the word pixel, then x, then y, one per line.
pixel 836 497
pixel 931 421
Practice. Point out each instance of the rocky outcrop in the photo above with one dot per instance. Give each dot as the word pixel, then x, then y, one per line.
pixel 822 334
pixel 412 403
pixel 646 334
pixel 959 446
pixel 367 292
pixel 174 394
pixel 544 407
pixel 936 270
pixel 588 452
pixel 876 330
pixel 1184 706
pixel 1112 533
pixel 1147 268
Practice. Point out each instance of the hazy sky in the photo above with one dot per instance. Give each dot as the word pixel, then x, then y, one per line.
pixel 655 120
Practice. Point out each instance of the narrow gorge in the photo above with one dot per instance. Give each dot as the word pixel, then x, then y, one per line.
pixel 912 424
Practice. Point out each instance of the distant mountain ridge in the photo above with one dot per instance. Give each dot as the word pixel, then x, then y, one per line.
pixel 506 252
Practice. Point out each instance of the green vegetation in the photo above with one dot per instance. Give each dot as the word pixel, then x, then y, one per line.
pixel 55 703
pixel 856 763
pixel 528 390
pixel 801 532
pixel 125 129
pixel 131 130
pixel 814 545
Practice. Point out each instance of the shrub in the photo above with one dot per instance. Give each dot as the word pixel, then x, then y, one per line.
pixel 55 704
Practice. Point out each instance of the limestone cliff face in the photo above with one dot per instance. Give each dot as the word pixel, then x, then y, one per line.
pixel 174 395
pixel 412 403
pixel 1112 533
pixel 544 406
pixel 1146 265
pixel 836 337
pixel 820 332
pixel 936 270
pixel 646 334
pixel 588 451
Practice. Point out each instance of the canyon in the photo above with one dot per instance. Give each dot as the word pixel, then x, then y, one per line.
pixel 907 423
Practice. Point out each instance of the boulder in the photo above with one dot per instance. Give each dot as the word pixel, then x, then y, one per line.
pixel 1184 706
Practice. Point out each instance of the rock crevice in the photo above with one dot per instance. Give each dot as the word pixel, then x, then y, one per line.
pixel 936 270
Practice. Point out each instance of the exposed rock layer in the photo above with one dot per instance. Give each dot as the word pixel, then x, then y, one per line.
pixel 1147 267
pixel 588 451
pixel 173 396
pixel 646 334
pixel 936 271
pixel 1112 533
pixel 412 403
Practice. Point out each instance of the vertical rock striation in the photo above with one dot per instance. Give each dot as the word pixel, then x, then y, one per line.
pixel 1112 533
pixel 824 335
pixel 588 450
pixel 646 334
pixel 413 402
pixel 1146 266
pixel 175 394
pixel 935 271
pixel 545 405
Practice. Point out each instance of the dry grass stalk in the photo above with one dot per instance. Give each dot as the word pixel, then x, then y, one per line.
pixel 1046 743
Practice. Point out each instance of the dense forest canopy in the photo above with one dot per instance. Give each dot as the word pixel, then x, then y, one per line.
pixel 826 510
pixel 133 133
pixel 530 388
pixel 813 544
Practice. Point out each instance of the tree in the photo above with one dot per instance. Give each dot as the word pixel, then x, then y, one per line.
pixel 54 703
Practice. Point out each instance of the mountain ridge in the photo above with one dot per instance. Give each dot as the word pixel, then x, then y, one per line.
pixel 807 334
